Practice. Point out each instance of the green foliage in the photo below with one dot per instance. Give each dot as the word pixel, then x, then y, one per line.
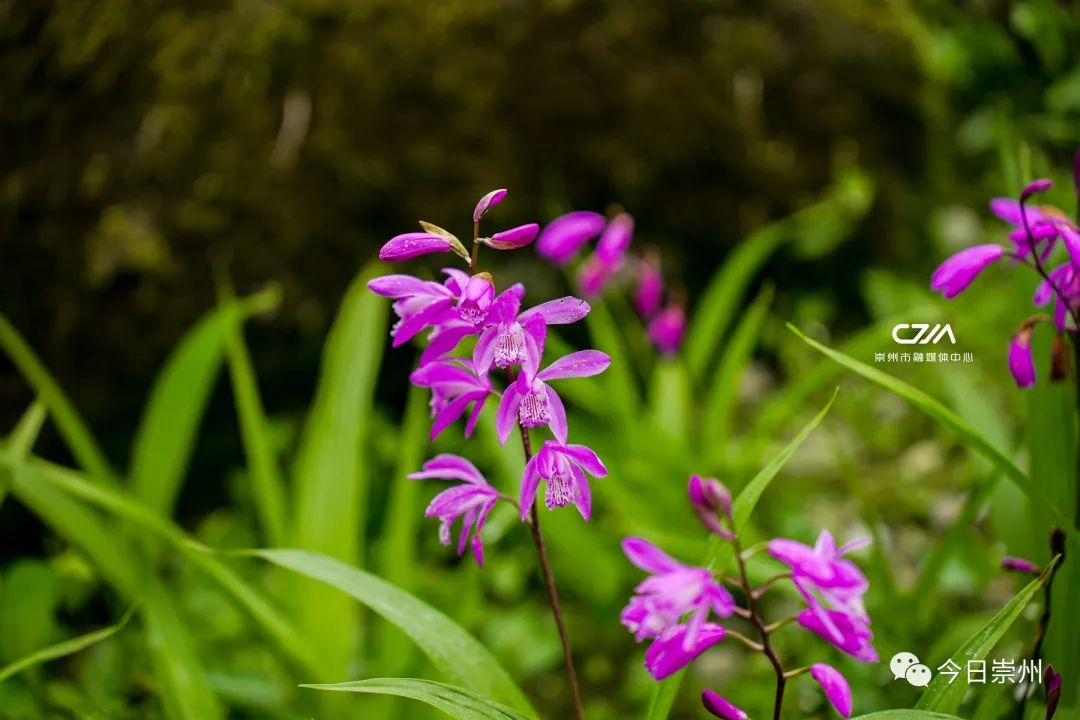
pixel 454 701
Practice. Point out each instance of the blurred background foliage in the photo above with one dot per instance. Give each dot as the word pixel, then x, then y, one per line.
pixel 150 148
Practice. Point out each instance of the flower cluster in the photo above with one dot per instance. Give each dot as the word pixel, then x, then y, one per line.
pixel 677 608
pixel 505 340
pixel 1036 231
pixel 567 234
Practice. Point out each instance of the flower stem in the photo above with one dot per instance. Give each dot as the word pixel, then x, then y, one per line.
pixel 549 582
pixel 475 246
pixel 763 630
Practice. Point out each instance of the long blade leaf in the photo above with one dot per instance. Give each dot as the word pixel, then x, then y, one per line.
pixel 454 701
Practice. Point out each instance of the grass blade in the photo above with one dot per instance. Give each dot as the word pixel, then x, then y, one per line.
pixel 906 715
pixel 63 649
pixel 83 445
pixel 454 701
pixel 452 650
pixel 178 400
pixel 267 485
pixel 943 696
pixel 331 475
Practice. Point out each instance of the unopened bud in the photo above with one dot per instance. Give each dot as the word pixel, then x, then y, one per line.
pixel 1059 359
pixel 711 500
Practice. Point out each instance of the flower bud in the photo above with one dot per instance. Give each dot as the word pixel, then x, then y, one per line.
pixel 1059 359
pixel 710 500
pixel 1021 362
pixel 476 297
pixel 513 238
pixel 1035 186
pixel 1018 564
pixel 720 707
pixel 1052 682
pixel 487 202
pixel 410 245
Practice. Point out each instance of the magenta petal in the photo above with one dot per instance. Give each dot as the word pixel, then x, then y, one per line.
pixel 484 351
pixel 668 654
pixel 410 245
pixel 530 480
pixel 957 272
pixel 594 275
pixel 564 235
pixel 395 286
pixel 562 311
pixel 513 238
pixel 587 459
pixel 650 289
pixel 666 329
pixel 487 202
pixel 835 687
pixel 450 467
pixel 720 707
pixel 558 425
pixel 506 415
pixel 1021 361
pixel 648 557
pixel 615 238
pixel 583 363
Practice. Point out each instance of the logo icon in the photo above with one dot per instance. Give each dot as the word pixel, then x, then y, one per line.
pixel 922 334
pixel 905 665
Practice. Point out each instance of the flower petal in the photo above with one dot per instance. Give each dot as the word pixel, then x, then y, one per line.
pixel 450 467
pixel 506 415
pixel 514 238
pixel 530 480
pixel 615 238
pixel 667 654
pixel 562 311
pixel 720 707
pixel 957 272
pixel 648 557
pixel 588 459
pixel 564 235
pixel 1021 360
pixel 410 245
pixel 583 363
pixel 557 423
pixel 835 687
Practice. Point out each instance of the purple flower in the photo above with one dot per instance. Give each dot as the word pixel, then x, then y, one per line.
pixel 418 303
pixel 832 587
pixel 650 288
pixel 841 630
pixel 454 384
pixel 710 498
pixel 563 467
pixel 835 687
pixel 487 202
pixel 513 238
pixel 720 707
pixel 410 245
pixel 476 297
pixel 666 329
pixel 472 501
pixel 672 591
pixel 534 403
pixel 517 339
pixel 671 652
pixel 564 235
pixel 1035 186
pixel 1019 564
pixel 602 265
pixel 957 272
pixel 1021 362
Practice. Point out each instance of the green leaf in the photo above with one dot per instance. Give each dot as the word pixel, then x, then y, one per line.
pixel 182 686
pixel 943 696
pixel 70 424
pixel 453 651
pixel 63 648
pixel 267 485
pixel 946 418
pixel 906 715
pixel 670 399
pixel 454 701
pixel 664 694
pixel 748 497
pixel 331 473
pixel 51 487
pixel 178 400
pixel 622 388
pixel 724 392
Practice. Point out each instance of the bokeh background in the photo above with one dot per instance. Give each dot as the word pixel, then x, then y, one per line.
pixel 148 149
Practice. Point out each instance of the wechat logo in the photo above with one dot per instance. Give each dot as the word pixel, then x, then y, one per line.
pixel 906 666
